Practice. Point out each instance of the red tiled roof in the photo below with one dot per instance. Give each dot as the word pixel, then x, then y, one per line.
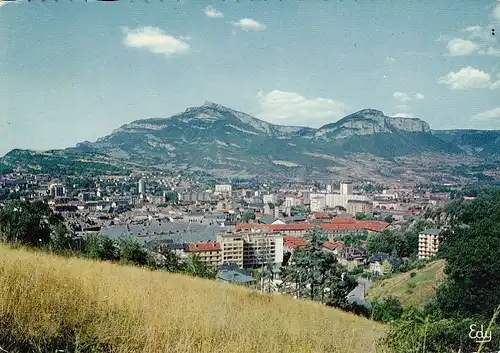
pixel 343 220
pixel 294 242
pixel 249 226
pixel 202 247
pixel 345 226
pixel 332 245
pixel 320 216
pixel 290 227
pixel 374 226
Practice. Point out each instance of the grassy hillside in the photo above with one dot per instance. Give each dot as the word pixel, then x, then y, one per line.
pixel 411 291
pixel 49 303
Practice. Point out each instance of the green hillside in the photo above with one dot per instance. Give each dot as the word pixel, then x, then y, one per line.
pixel 411 290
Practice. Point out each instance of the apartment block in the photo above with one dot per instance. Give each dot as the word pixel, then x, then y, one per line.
pixel 232 248
pixel 251 249
pixel 261 248
pixel 428 243
pixel 210 253
pixel 355 206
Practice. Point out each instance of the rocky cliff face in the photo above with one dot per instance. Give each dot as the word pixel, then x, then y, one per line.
pixel 368 122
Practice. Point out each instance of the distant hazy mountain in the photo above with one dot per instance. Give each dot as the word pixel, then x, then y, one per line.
pixel 215 137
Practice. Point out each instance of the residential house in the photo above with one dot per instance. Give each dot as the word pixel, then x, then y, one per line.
pixel 351 256
pixel 292 243
pixel 333 247
pixel 379 264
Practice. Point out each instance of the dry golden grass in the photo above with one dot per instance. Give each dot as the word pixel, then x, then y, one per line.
pixel 46 298
pixel 411 291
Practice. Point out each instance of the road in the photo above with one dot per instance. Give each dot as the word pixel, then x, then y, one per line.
pixel 358 293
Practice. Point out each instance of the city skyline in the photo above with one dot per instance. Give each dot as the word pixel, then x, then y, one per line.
pixel 76 71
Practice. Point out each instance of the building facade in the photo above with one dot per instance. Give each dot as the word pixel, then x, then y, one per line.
pixel 261 248
pixel 232 248
pixel 428 243
pixel 210 253
pixel 355 206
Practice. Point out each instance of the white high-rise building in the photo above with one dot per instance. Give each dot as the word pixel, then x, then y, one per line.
pixel 317 202
pixel 333 200
pixel 142 186
pixel 57 190
pixel 290 201
pixel 346 188
pixel 224 188
pixel 269 198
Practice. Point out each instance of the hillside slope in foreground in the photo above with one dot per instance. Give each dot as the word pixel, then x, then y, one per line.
pixel 411 291
pixel 49 303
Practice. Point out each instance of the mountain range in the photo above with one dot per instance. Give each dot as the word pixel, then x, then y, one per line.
pixel 217 139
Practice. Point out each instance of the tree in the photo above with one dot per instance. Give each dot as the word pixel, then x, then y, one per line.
pixel 386 267
pixel 196 267
pixel 317 275
pixel 60 239
pixel 387 310
pixel 101 248
pixel 383 242
pixel 132 253
pixel 170 261
pixel 28 223
pixel 360 216
pixel 247 216
pixel 363 216
pixel 473 270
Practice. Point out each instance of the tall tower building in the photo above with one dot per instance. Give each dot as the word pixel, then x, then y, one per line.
pixel 142 186
pixel 346 188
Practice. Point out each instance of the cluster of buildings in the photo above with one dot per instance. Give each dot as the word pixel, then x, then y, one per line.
pixel 188 216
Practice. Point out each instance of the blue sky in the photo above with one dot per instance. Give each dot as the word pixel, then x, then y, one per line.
pixel 71 72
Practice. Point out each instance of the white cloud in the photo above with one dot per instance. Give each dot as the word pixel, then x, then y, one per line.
pixel 495 85
pixel 419 96
pixel 466 78
pixel 248 24
pixel 401 96
pixel 291 108
pixel 212 12
pixel 490 51
pixel 490 114
pixel 154 40
pixel 461 47
pixel 496 11
pixel 390 60
pixel 402 107
pixel 403 115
